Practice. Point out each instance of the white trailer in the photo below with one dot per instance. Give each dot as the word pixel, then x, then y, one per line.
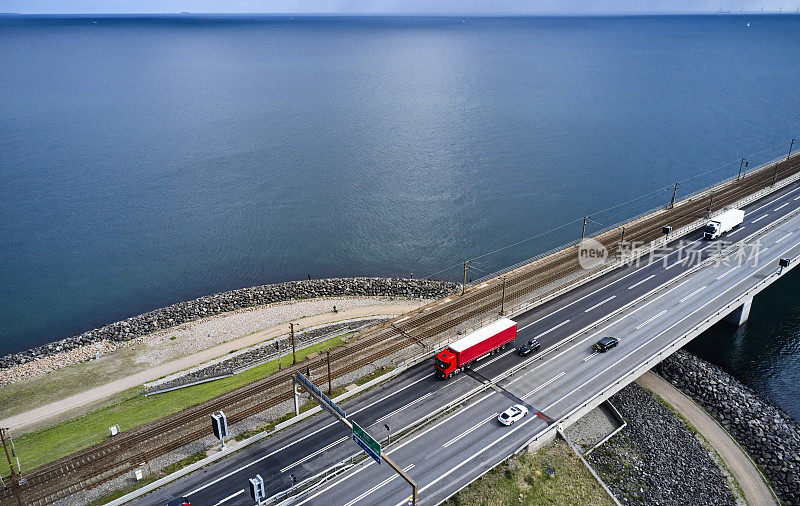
pixel 726 221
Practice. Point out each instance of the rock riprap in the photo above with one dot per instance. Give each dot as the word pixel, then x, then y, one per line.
pixel 771 436
pixel 184 312
pixel 657 459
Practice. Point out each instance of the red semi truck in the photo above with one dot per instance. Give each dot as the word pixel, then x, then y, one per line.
pixel 475 346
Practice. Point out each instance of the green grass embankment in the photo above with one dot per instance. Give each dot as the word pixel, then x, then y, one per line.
pixel 522 480
pixel 40 447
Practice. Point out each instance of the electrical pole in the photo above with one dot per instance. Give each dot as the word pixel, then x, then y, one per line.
pixel 464 286
pixel 674 192
pixel 330 385
pixel 583 231
pixel 622 237
pixel 775 176
pixel 14 477
pixel 294 352
pixel 790 149
pixel 740 170
pixel 710 203
pixel 503 300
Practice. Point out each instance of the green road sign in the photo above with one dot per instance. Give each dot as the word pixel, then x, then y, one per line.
pixel 365 441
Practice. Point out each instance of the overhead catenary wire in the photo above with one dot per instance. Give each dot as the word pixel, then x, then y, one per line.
pixel 607 218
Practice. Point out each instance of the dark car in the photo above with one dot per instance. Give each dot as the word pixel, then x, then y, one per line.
pixel 532 345
pixel 605 344
pixel 179 501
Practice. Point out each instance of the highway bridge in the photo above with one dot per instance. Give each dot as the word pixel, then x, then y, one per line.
pixel 654 306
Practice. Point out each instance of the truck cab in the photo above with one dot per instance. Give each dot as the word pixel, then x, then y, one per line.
pixel 445 363
pixel 712 230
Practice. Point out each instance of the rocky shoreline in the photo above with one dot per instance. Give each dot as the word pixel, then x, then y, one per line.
pixel 183 312
pixel 657 459
pixel 770 436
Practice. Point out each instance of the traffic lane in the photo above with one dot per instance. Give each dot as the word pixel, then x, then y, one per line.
pixel 474 404
pixel 330 445
pixel 469 433
pixel 246 463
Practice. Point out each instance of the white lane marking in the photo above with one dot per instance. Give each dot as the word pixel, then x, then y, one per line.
pixel 230 497
pixel 542 385
pixel 495 359
pixel 726 273
pixel 600 303
pixel 606 286
pixel 594 354
pixel 784 237
pixel 650 319
pixel 736 231
pixel 470 430
pixel 760 218
pixel 331 424
pixel 370 462
pixel 773 200
pixel 311 456
pixel 590 380
pixel 693 293
pixel 648 278
pixel 551 329
pixel 404 407
pixel 781 207
pixel 376 487
pixel 601 331
pixel 679 262
pixel 796 198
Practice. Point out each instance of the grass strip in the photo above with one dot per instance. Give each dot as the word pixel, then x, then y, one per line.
pixel 39 447
pixel 522 480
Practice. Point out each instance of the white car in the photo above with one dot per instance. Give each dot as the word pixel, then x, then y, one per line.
pixel 512 414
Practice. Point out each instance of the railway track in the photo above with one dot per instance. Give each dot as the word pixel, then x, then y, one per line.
pixel 120 454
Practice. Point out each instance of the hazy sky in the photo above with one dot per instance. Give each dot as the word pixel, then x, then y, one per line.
pixel 394 6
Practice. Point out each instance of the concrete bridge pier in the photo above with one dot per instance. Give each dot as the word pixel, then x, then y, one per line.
pixel 740 314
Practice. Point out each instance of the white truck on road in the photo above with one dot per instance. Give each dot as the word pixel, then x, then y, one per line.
pixel 722 223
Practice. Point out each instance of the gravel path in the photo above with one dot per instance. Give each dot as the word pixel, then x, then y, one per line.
pixel 756 492
pixel 214 337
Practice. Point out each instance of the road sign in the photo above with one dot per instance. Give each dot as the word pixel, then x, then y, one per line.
pixel 365 441
pixel 257 492
pixel 219 423
pixel 323 399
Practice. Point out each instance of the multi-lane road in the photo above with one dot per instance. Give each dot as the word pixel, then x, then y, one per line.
pixel 648 306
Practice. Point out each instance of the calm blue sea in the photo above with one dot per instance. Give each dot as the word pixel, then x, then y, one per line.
pixel 146 161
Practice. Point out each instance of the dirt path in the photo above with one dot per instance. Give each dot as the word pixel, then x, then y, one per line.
pixel 55 410
pixel 756 491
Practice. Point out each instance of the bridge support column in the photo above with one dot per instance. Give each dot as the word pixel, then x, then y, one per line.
pixel 740 314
